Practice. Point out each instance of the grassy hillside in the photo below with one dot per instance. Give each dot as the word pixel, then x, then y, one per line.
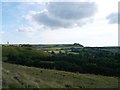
pixel 16 76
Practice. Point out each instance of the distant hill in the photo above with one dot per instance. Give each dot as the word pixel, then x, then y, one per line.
pixel 16 76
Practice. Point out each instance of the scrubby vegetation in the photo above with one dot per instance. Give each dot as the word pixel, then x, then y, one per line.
pixel 87 60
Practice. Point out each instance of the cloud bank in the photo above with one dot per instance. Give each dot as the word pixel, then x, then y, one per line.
pixel 113 18
pixel 65 14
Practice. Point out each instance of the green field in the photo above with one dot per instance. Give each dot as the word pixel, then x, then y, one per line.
pixel 16 76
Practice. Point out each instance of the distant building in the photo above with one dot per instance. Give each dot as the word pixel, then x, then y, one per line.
pixel 56 52
pixel 7 43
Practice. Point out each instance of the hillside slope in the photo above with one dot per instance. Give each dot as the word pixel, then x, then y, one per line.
pixel 16 76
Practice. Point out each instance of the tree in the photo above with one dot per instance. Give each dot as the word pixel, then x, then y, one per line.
pixel 77 44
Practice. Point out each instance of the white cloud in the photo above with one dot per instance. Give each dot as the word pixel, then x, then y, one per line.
pixel 65 14
pixel 97 33
pixel 113 18
pixel 88 35
pixel 26 29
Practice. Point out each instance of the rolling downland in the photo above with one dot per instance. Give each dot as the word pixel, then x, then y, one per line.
pixel 17 76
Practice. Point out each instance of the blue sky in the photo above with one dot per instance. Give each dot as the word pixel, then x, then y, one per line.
pixel 88 22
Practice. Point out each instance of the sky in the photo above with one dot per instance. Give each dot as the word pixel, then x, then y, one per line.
pixel 88 22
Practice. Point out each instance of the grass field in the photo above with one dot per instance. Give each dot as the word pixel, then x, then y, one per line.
pixel 16 76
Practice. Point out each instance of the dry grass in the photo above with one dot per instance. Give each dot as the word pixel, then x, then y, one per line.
pixel 16 76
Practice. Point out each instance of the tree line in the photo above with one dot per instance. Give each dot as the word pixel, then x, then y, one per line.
pixel 87 61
